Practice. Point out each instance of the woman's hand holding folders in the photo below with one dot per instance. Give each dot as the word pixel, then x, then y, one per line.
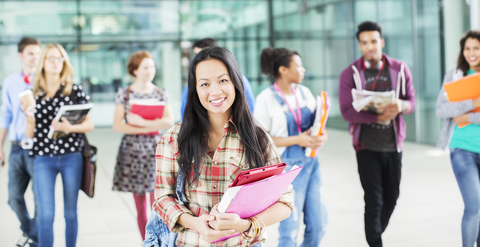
pixel 227 221
pixel 313 142
pixel 64 125
pixel 135 119
pixel 208 233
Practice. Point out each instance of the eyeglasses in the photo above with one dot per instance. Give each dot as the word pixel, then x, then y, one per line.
pixel 53 59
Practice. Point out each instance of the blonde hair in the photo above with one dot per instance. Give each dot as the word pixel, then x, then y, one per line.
pixel 66 76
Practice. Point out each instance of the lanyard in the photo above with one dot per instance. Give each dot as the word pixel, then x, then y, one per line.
pixel 378 75
pixel 298 116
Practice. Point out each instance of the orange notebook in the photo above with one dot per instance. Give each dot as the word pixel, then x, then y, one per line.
pixel 464 89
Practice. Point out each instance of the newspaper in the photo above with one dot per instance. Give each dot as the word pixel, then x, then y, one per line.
pixel 370 101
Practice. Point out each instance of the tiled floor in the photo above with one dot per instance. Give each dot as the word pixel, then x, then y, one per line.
pixel 428 213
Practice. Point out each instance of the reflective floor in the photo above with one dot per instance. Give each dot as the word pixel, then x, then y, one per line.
pixel 428 213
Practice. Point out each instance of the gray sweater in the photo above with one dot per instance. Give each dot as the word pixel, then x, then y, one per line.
pixel 449 110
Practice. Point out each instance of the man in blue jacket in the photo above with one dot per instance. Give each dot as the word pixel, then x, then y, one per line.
pixel 197 47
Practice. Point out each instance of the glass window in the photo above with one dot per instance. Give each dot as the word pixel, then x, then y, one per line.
pixel 100 36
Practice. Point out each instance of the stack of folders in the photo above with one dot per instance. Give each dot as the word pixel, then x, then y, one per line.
pixel 323 109
pixel 255 190
pixel 464 89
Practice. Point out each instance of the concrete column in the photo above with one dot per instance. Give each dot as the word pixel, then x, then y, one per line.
pixel 172 75
pixel 454 28
pixel 474 14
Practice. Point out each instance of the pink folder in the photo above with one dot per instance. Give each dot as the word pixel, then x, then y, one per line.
pixel 253 198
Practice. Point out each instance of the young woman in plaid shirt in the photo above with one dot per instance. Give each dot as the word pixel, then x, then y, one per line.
pixel 216 140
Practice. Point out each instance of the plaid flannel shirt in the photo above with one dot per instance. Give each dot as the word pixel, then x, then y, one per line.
pixel 216 175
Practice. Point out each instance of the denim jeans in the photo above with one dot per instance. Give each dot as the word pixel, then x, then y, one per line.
pixel 309 200
pixel 20 172
pixel 70 167
pixel 465 165
pixel 157 233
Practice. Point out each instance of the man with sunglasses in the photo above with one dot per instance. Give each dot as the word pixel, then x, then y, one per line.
pixel 377 134
pixel 13 121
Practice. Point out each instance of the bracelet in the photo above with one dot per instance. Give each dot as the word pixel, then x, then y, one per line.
pixel 250 225
pixel 245 234
pixel 257 227
pixel 264 225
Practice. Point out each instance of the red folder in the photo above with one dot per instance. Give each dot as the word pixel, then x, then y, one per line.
pixel 257 174
pixel 464 89
pixel 148 109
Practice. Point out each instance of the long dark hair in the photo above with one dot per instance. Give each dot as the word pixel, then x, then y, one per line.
pixel 272 58
pixel 193 136
pixel 462 63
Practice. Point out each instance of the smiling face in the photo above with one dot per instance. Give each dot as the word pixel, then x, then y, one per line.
pixel 215 89
pixel 53 62
pixel 370 44
pixel 145 71
pixel 471 52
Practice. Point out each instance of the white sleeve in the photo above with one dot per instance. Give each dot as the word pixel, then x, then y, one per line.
pixel 311 100
pixel 261 112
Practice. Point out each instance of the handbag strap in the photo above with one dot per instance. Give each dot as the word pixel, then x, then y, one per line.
pixel 86 144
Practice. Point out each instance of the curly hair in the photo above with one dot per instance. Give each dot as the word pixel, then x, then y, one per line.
pixel 462 63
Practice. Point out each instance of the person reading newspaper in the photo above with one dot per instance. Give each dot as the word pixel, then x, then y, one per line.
pixel 377 135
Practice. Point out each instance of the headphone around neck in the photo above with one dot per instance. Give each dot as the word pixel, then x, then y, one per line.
pixel 368 65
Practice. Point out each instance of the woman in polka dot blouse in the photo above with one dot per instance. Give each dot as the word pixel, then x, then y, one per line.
pixel 135 168
pixel 53 87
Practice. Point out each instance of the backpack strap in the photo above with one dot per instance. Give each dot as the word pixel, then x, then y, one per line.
pixel 277 97
pixel 127 94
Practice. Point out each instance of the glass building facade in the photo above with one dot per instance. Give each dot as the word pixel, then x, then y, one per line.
pixel 101 35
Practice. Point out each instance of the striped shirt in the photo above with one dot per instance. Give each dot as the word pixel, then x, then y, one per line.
pixel 217 173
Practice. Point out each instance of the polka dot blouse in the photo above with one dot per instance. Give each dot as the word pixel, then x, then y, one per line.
pixel 45 110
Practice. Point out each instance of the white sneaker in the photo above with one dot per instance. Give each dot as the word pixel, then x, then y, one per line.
pixel 23 240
